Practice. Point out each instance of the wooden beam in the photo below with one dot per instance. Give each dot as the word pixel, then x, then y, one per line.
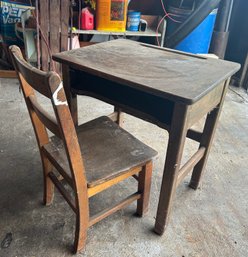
pixel 190 164
pixel 62 190
pixel 106 212
pixel 11 74
pixel 103 186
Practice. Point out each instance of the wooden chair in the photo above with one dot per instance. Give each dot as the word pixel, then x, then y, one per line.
pixel 90 158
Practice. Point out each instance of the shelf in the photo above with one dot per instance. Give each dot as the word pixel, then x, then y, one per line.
pixel 147 33
pixel 21 29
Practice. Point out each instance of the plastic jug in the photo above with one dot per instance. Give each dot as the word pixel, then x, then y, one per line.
pixel 87 19
pixel 111 15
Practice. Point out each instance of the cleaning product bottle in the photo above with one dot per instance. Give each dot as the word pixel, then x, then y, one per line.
pixel 111 15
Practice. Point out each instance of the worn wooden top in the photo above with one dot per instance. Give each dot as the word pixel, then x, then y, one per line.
pixel 108 150
pixel 167 73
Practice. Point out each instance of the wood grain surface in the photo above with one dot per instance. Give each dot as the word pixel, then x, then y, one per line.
pixel 170 74
pixel 101 140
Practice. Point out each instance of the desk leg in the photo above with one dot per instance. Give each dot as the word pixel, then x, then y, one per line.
pixel 206 140
pixel 120 116
pixel 71 98
pixel 177 137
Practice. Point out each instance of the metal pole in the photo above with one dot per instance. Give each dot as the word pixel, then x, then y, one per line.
pixel 229 15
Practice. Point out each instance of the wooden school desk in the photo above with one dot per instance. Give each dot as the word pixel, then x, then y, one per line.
pixel 171 89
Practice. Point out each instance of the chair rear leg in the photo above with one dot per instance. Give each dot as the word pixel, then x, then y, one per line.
pixel 144 186
pixel 82 221
pixel 48 184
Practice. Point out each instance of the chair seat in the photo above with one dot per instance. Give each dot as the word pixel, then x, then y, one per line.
pixel 100 140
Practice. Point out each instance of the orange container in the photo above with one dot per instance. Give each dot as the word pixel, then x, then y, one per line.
pixel 111 15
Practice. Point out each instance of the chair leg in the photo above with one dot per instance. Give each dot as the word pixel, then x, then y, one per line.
pixel 80 235
pixel 48 184
pixel 144 186
pixel 82 223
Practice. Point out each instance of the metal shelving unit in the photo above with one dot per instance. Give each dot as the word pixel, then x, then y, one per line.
pixel 147 33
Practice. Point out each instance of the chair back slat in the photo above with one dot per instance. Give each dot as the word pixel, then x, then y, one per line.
pixel 38 79
pixel 48 120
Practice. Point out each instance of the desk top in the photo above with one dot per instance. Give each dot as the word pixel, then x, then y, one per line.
pixel 170 74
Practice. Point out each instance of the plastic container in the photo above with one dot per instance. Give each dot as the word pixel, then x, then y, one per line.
pixel 133 20
pixel 87 19
pixel 198 41
pixel 111 15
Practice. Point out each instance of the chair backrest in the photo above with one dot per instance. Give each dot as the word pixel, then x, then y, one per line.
pixel 49 84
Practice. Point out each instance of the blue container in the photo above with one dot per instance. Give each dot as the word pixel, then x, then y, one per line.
pixel 133 20
pixel 198 41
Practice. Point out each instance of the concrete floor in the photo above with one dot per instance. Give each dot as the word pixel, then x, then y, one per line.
pixel 212 221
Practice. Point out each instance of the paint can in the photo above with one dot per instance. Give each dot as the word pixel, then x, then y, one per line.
pixel 133 20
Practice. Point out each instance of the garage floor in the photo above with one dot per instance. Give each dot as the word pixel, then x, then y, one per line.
pixel 212 221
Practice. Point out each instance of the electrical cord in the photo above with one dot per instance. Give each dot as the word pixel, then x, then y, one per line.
pixel 162 19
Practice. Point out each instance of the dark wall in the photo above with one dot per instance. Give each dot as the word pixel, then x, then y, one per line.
pixel 149 7
pixel 237 47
